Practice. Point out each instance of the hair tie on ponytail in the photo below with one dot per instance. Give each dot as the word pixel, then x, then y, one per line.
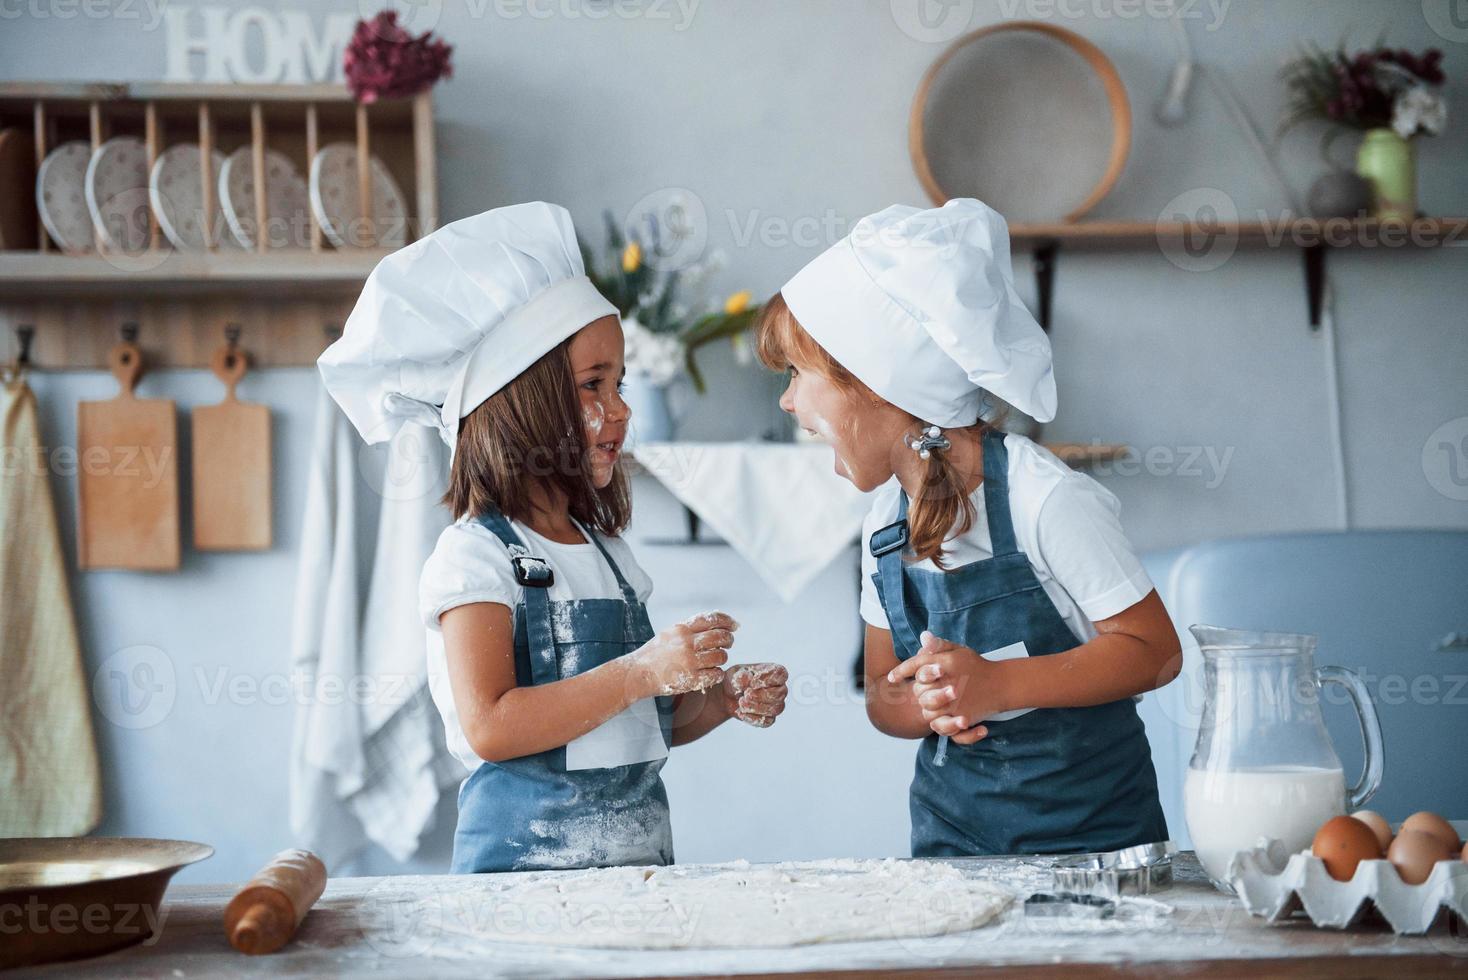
pixel 931 438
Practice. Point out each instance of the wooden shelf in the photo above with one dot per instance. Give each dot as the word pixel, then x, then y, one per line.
pixel 1087 453
pixel 1077 454
pixel 1071 453
pixel 1298 232
pixel 285 273
pixel 1313 236
pixel 281 293
pixel 25 93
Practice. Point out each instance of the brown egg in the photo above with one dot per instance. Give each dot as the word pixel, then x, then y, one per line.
pixel 1465 852
pixel 1414 852
pixel 1378 825
pixel 1342 843
pixel 1435 825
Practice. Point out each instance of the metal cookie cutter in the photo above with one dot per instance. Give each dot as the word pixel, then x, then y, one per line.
pixel 1043 905
pixel 1137 870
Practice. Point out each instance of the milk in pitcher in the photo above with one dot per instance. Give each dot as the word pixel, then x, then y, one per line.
pixel 1228 810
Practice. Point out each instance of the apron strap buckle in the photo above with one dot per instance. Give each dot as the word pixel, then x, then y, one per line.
pixel 889 539
pixel 533 573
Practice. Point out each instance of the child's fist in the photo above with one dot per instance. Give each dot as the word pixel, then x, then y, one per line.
pixel 686 657
pixel 755 693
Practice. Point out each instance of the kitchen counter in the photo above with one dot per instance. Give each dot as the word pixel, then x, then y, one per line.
pixel 368 927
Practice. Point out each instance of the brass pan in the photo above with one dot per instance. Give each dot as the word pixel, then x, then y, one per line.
pixel 65 898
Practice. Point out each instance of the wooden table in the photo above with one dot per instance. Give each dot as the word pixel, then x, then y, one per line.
pixel 359 929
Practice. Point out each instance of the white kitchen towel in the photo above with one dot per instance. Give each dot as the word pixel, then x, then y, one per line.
pixel 327 738
pixel 781 506
pixel 368 759
pixel 406 762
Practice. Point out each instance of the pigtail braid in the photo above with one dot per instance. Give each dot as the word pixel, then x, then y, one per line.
pixel 942 508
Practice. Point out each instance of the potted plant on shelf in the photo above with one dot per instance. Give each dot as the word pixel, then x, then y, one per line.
pixel 665 320
pixel 1392 95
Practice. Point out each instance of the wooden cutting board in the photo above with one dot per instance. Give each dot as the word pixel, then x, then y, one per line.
pixel 231 444
pixel 127 475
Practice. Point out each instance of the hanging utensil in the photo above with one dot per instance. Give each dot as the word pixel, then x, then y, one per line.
pixel 1030 118
pixel 231 445
pixel 127 473
pixel 24 334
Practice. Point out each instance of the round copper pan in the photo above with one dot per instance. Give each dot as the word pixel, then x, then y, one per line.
pixel 64 898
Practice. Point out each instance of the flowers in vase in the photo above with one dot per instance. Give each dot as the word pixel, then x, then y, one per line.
pixel 658 357
pixel 1375 89
pixel 1419 110
pixel 666 314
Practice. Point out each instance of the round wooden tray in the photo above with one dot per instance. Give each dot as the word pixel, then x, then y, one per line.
pixel 1045 127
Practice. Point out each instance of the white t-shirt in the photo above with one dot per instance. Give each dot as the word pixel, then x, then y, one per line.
pixel 471 564
pixel 1066 523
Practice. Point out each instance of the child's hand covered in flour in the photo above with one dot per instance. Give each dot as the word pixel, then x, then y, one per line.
pixel 686 657
pixel 755 693
pixel 954 687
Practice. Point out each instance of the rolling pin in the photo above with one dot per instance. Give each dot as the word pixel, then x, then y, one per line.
pixel 265 914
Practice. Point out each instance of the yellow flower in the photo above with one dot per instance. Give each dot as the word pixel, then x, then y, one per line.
pixel 737 303
pixel 631 257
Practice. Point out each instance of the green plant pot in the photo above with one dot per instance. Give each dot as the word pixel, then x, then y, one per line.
pixel 1390 164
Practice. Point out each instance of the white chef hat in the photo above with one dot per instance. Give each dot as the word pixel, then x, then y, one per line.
pixel 921 306
pixel 454 317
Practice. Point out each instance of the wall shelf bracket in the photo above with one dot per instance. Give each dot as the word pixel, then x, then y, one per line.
pixel 1046 254
pixel 1315 281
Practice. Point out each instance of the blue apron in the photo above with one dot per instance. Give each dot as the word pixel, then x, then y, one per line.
pixel 1052 781
pixel 531 813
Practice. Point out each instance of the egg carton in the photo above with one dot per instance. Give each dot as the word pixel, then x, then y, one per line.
pixel 1274 884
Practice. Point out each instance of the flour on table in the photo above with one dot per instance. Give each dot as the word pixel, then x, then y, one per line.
pixel 720 906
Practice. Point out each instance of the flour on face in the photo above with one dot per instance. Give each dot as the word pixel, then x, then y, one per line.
pixel 594 417
pixel 827 433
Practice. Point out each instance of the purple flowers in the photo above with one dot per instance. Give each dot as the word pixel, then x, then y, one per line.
pixel 383 61
pixel 1362 90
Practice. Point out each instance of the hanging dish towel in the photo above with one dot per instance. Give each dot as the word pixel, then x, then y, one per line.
pixel 780 506
pixel 49 785
pixel 326 742
pixel 368 759
pixel 405 760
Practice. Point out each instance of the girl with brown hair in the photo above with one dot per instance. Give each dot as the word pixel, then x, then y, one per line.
pixel 556 693
pixel 1006 613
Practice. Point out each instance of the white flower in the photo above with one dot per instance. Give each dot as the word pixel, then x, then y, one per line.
pixel 1419 110
pixel 657 357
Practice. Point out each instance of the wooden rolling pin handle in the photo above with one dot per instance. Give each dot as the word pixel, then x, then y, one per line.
pixel 254 932
pixel 266 913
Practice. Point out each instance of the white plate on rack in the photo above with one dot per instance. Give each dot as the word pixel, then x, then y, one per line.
pixel 117 193
pixel 334 200
pixel 287 216
pixel 61 196
pixel 176 191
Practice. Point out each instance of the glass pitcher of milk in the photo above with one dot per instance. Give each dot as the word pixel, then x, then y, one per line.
pixel 1264 765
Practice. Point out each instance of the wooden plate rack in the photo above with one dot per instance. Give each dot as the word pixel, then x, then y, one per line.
pixel 281 297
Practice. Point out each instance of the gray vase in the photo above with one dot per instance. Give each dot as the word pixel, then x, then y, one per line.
pixel 1340 194
pixel 652 419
